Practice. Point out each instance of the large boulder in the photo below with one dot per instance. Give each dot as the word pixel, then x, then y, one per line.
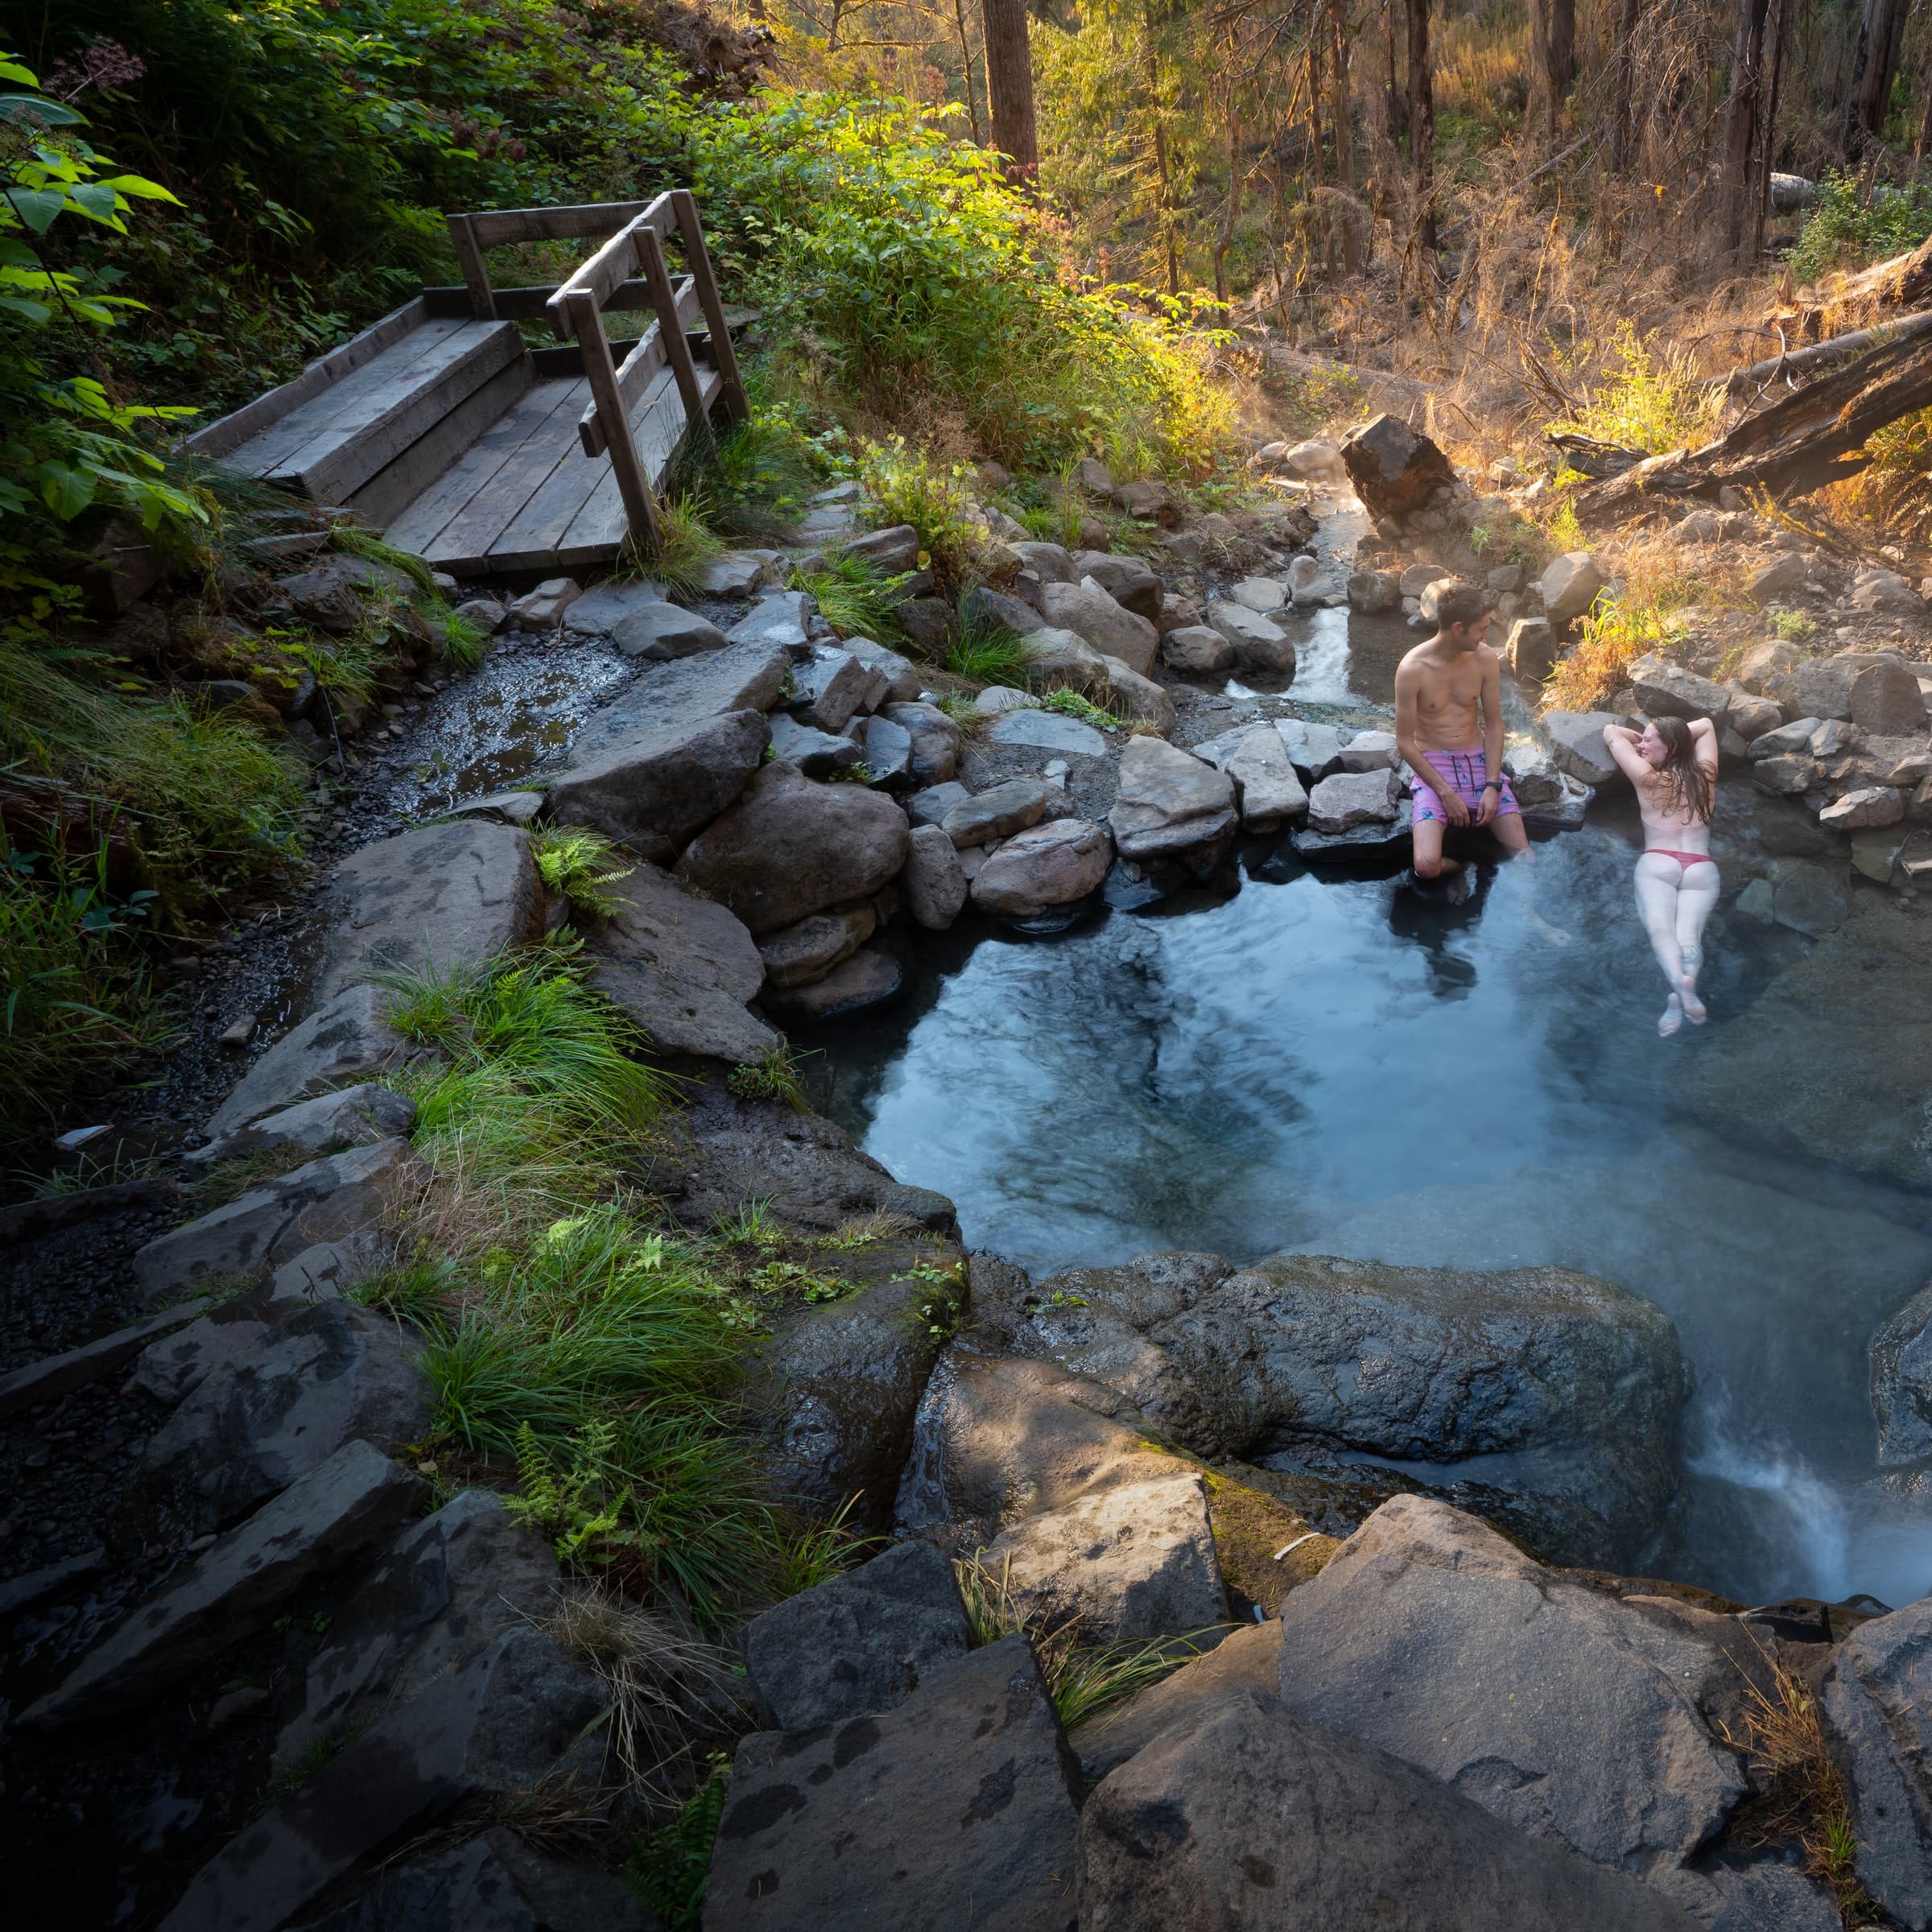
pixel 999 811
pixel 837 1384
pixel 433 900
pixel 683 967
pixel 1347 799
pixel 1665 690
pixel 672 697
pixel 1063 660
pixel 861 1644
pixel 1886 700
pixel 935 740
pixel 1042 870
pixel 1576 743
pixel 654 791
pixel 344 1040
pixel 351 1116
pixel 803 954
pixel 1531 653
pixel 1901 1384
pixel 1567 1712
pixel 1139 699
pixel 1196 651
pixel 1880 1728
pixel 1567 1387
pixel 442 1590
pixel 246 1239
pixel 1570 584
pixel 1135 1561
pixel 260 1419
pixel 1855 1096
pixel 521 1716
pixel 1395 469
pixel 934 881
pixel 1088 612
pixel 1266 783
pixel 1170 808
pixel 355 1498
pixel 790 847
pixel 1129 581
pixel 1259 642
pixel 827 687
pixel 1246 1817
pixel 958 1806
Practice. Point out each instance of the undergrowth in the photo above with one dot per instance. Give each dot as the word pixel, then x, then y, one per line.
pixel 1611 636
pixel 579 864
pixel 1852 225
pixel 669 1869
pixel 1655 400
pixel 854 598
pixel 985 652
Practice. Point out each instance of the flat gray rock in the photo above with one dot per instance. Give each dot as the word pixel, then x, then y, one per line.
pixel 780 617
pixel 1196 651
pixel 442 1589
pixel 497 1883
pixel 1136 1561
pixel 1049 731
pixel 888 754
pixel 1346 799
pixel 432 900
pixel 1258 642
pixel 259 1420
pixel 999 811
pixel 867 979
pixel 1565 1712
pixel 1043 869
pixel 929 807
pixel 654 790
pixel 859 1645
pixel 1090 613
pixel 1314 751
pixel 1576 742
pixel 519 1715
pixel 1246 1818
pixel 958 1809
pixel 796 956
pixel 54 1376
pixel 683 967
pixel 902 676
pixel 339 1194
pixel 642 622
pixel 826 688
pixel 739 572
pixel 1880 1729
pixel 1171 808
pixel 817 754
pixel 1266 783
pixel 666 697
pixel 352 1117
pixel 354 1499
pixel 1250 1654
pixel 790 848
pixel 1901 1384
pixel 1374 839
pixel 1129 581
pixel 342 1042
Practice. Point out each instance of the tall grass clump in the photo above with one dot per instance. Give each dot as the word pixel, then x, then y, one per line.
pixel 853 598
pixel 984 652
pixel 1654 400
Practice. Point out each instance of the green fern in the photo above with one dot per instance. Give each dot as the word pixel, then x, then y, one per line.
pixel 571 1508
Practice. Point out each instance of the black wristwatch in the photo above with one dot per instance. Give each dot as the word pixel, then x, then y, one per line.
pixel 1495 784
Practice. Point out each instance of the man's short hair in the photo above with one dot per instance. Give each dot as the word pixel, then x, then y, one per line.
pixel 1460 604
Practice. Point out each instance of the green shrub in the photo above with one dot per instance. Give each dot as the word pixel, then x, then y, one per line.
pixel 1655 400
pixel 1846 230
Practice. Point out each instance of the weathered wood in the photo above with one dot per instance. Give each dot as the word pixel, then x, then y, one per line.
pixel 587 325
pixel 503 227
pixel 648 354
pixel 1900 281
pixel 358 443
pixel 401 481
pixel 474 488
pixel 697 258
pixel 611 265
pixel 469 258
pixel 1839 348
pixel 657 425
pixel 229 432
pixel 670 322
pixel 528 304
pixel 1807 438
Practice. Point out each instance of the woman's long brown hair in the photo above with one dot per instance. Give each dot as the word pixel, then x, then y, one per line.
pixel 1684 782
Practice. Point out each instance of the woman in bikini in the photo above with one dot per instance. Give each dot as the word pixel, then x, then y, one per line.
pixel 1674 767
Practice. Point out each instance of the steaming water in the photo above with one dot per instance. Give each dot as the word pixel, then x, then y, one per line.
pixel 1341 1066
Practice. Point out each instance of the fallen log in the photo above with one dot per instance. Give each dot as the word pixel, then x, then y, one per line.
pixel 1801 361
pixel 1813 436
pixel 1902 282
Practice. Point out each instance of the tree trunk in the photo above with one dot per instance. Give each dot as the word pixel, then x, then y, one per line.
pixel 1874 61
pixel 1765 156
pixel 1344 140
pixel 1421 124
pixel 1740 121
pixel 1226 239
pixel 1009 85
pixel 1552 61
pixel 1623 137
pixel 1398 110
pixel 1164 212
pixel 972 98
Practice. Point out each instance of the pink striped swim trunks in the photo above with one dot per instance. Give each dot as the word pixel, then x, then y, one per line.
pixel 1469 772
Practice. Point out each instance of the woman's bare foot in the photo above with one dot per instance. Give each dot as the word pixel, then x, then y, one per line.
pixel 1694 1010
pixel 1672 1019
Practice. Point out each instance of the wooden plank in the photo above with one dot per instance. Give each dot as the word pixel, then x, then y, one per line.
pixel 697 257
pixel 418 524
pixel 658 425
pixel 499 227
pixel 351 452
pixel 393 488
pixel 229 432
pixel 634 376
pixel 271 450
pixel 530 304
pixel 555 504
pixel 496 481
pixel 670 322
pixel 587 325
pixel 469 258
pixel 610 267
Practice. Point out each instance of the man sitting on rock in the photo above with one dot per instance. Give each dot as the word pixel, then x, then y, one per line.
pixel 1449 726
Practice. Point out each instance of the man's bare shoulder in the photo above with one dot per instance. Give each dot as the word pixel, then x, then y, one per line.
pixel 1488 657
pixel 1419 659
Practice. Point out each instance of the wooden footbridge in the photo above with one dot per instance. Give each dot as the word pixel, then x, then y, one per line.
pixel 486 456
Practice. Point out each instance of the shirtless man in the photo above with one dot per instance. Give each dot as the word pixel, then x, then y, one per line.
pixel 1449 726
pixel 1673 767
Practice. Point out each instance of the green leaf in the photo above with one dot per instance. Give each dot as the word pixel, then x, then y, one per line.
pixel 37 207
pixel 33 311
pixel 12 70
pixel 98 200
pixel 31 107
pixel 137 188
